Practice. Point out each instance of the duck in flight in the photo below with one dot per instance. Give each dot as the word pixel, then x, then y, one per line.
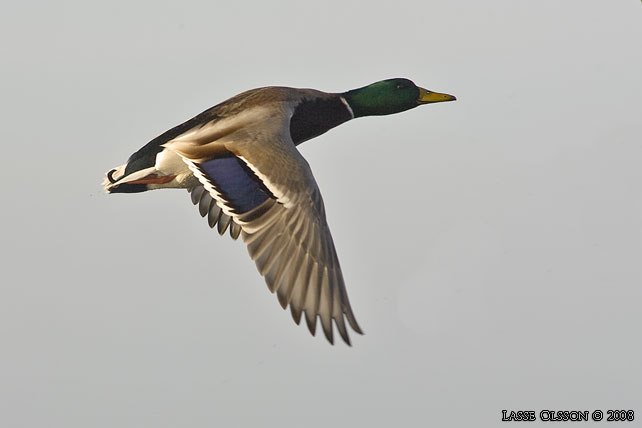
pixel 240 163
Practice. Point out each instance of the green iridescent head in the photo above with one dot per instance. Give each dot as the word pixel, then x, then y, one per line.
pixel 390 96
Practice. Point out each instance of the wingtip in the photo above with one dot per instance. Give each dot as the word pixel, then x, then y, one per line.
pixel 344 335
pixel 283 301
pixel 357 329
pixel 311 321
pixel 296 314
pixel 352 320
pixel 328 333
pixel 341 328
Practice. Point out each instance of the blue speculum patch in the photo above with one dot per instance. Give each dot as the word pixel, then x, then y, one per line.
pixel 237 184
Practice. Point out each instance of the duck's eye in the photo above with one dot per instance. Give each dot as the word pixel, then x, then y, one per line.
pixel 401 86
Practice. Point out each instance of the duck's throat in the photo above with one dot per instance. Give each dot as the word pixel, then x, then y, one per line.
pixel 314 117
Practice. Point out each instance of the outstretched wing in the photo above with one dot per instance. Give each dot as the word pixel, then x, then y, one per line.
pixel 255 175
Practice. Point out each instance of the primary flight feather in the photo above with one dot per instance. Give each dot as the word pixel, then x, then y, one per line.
pixel 240 163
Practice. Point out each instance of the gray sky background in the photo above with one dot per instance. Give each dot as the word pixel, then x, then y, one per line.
pixel 491 247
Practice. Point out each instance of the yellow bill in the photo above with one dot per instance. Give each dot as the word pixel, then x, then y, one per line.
pixel 426 97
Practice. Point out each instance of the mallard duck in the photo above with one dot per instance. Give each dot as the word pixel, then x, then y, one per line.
pixel 240 163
